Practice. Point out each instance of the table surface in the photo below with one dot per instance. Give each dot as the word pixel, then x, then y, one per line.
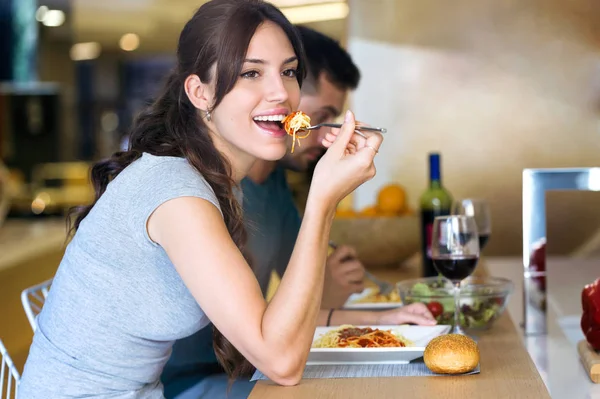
pixel 507 371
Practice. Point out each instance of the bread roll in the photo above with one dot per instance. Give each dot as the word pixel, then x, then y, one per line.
pixel 451 354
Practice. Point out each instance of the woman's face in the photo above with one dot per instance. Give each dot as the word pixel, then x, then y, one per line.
pixel 246 122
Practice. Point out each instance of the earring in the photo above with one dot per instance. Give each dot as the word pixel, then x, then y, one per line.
pixel 208 118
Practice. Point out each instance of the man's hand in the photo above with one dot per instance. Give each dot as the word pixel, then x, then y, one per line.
pixel 344 276
pixel 416 313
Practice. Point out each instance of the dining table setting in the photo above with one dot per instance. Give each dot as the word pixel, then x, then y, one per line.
pixel 505 369
pixel 477 348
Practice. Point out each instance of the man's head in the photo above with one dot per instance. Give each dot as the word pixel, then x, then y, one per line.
pixel 330 75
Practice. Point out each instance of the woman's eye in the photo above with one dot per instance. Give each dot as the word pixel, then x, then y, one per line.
pixel 250 75
pixel 290 73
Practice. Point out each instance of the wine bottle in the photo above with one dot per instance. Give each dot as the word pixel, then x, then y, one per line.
pixel 435 201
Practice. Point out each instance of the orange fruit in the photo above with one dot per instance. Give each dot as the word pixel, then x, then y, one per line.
pixel 391 199
pixel 369 211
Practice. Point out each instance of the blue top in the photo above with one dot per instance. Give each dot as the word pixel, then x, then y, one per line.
pixel 117 304
pixel 272 222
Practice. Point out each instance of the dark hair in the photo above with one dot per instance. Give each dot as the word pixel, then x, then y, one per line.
pixel 325 55
pixel 219 33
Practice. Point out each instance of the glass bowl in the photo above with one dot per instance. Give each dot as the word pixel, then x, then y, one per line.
pixel 482 299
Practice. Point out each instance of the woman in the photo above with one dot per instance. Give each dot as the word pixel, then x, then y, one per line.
pixel 159 252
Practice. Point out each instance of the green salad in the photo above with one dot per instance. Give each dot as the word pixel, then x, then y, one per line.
pixel 475 311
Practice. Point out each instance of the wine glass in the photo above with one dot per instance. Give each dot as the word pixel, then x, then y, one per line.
pixel 455 253
pixel 480 211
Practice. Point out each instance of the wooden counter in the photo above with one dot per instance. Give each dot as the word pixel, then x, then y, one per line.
pixel 507 371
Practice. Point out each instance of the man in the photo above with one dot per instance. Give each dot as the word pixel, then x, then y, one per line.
pixel 273 222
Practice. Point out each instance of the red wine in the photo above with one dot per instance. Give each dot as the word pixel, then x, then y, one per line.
pixel 426 239
pixel 455 268
pixel 483 239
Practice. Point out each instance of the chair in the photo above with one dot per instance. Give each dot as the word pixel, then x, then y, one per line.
pixel 33 299
pixel 9 376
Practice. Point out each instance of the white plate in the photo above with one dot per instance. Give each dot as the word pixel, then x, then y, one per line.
pixel 419 335
pixel 351 302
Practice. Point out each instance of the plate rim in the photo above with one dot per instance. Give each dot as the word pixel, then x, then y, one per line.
pixel 443 329
pixel 373 356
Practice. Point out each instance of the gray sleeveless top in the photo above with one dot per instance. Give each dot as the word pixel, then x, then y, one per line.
pixel 117 303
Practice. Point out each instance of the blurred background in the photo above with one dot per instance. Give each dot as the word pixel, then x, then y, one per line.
pixel 493 86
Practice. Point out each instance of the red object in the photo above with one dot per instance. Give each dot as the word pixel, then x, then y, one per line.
pixel 590 319
pixel 435 308
pixel 537 262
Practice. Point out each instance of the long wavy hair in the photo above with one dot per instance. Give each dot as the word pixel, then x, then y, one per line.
pixel 218 34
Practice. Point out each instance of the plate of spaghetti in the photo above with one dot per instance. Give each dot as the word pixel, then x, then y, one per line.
pixel 348 344
pixel 293 125
pixel 371 298
pixel 348 336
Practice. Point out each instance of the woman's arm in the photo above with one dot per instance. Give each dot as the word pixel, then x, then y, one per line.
pixel 274 338
pixel 416 313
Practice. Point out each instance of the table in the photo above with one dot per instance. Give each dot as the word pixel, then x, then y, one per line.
pixel 507 371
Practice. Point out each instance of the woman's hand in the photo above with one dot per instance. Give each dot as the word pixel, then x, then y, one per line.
pixel 416 313
pixel 347 164
pixel 344 276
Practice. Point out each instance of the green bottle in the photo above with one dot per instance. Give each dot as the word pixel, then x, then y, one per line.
pixel 435 201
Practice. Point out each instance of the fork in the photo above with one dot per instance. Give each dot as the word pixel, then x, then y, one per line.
pixel 384 287
pixel 339 125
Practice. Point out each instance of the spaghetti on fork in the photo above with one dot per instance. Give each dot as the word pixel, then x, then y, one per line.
pixel 295 122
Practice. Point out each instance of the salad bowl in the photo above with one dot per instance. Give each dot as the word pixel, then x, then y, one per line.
pixel 482 299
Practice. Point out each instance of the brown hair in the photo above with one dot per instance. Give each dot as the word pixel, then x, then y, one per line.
pixel 219 33
pixel 326 56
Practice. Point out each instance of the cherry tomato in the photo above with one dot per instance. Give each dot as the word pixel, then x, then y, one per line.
pixel 435 308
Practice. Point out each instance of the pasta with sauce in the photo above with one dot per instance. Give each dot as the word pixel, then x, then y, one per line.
pixel 295 122
pixel 348 336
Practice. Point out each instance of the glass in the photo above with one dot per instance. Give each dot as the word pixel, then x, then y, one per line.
pixel 479 210
pixel 455 253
